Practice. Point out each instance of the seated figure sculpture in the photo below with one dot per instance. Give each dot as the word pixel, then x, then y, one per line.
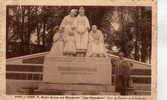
pixel 76 38
pixel 96 43
pixel 58 44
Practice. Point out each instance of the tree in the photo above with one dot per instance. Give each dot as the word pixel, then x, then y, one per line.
pixel 128 28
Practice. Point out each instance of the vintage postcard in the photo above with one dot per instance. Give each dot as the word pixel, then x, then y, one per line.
pixel 78 49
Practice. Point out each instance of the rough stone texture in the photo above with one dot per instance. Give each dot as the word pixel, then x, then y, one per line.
pixel 77 87
pixel 77 70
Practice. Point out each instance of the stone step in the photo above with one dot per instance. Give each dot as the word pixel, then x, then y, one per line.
pixel 141 92
pixel 77 87
pixel 145 87
pixel 58 92
pixel 16 87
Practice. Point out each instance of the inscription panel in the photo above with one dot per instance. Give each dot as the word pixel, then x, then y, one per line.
pixel 77 70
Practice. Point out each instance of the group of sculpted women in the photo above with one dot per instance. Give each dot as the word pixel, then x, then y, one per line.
pixel 76 37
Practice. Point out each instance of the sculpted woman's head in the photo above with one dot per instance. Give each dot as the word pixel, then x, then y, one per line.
pixel 81 11
pixel 94 28
pixel 73 12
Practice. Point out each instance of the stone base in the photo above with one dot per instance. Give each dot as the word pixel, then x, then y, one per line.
pixel 77 75
pixel 56 92
pixel 76 89
pixel 74 70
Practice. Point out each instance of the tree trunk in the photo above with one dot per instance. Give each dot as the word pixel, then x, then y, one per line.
pixel 29 30
pixel 7 29
pixel 137 33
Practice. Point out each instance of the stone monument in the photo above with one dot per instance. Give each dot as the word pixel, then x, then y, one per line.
pixel 81 74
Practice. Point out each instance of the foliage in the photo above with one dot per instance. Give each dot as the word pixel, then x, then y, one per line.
pixel 127 28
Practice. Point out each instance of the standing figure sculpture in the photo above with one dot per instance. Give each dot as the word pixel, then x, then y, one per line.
pixel 69 33
pixel 81 36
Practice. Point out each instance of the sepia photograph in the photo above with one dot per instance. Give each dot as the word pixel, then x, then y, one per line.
pixel 78 50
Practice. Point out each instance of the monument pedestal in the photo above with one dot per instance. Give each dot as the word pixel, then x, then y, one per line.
pixel 77 75
pixel 77 88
